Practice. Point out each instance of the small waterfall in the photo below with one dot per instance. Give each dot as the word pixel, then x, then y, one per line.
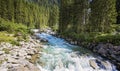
pixel 58 55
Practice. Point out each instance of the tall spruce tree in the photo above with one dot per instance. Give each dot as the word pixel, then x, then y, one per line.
pixel 118 11
pixel 103 14
pixel 73 15
pixel 33 13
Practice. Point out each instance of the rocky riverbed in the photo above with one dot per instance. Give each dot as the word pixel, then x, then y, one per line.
pixel 106 50
pixel 19 58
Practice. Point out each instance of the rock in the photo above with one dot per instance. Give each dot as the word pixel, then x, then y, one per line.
pixel 102 51
pixel 30 52
pixel 28 57
pixel 2 52
pixel 12 60
pixel 110 46
pixel 29 65
pixel 17 58
pixel 93 64
pixel 3 69
pixel 95 49
pixel 38 41
pixel 32 67
pixel 2 57
pixel 43 40
pixel 22 53
pixel 117 48
pixel 107 65
pixel 18 34
pixel 22 43
pixel 19 68
pixel 35 30
pixel 91 46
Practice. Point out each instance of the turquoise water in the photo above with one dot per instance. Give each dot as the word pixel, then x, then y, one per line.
pixel 59 55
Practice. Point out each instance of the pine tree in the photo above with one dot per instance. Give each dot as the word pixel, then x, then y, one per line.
pixel 103 14
pixel 118 11
pixel 73 15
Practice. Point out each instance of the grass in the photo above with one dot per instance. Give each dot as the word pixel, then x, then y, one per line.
pixel 4 37
pixel 12 27
pixel 8 27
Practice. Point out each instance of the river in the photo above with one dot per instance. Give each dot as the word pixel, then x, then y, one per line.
pixel 58 55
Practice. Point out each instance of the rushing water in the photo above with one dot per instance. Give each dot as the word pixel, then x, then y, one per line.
pixel 59 55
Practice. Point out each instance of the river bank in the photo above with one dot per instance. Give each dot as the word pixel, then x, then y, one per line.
pixel 19 58
pixel 106 50
pixel 24 56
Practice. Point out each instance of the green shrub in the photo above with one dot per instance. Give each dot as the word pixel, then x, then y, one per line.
pixel 116 27
pixel 12 27
pixel 5 38
pixel 7 26
pixel 114 39
pixel 15 43
pixel 21 28
pixel 86 38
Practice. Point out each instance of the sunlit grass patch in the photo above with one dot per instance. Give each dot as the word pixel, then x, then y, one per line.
pixel 5 37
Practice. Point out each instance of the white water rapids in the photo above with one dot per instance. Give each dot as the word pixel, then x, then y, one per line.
pixel 58 55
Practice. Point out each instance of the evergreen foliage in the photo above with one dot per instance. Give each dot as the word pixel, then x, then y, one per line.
pixel 118 11
pixel 87 20
pixel 72 18
pixel 74 15
pixel 87 16
pixel 103 15
pixel 32 13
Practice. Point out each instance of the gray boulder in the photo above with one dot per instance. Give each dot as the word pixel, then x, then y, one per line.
pixel 93 64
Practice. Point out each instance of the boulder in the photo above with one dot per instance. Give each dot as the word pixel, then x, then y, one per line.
pixel 43 40
pixel 93 64
pixel 102 51
pixel 35 30
pixel 96 48
pixel 107 65
pixel 117 48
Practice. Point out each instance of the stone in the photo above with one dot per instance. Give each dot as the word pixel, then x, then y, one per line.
pixel 99 46
pixel 19 34
pixel 22 52
pixel 107 65
pixel 28 57
pixel 19 68
pixel 93 64
pixel 102 51
pixel 32 67
pixel 117 48
pixel 110 46
pixel 43 40
pixel 11 60
pixel 35 30
pixel 3 69
pixel 18 57
pixel 2 52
